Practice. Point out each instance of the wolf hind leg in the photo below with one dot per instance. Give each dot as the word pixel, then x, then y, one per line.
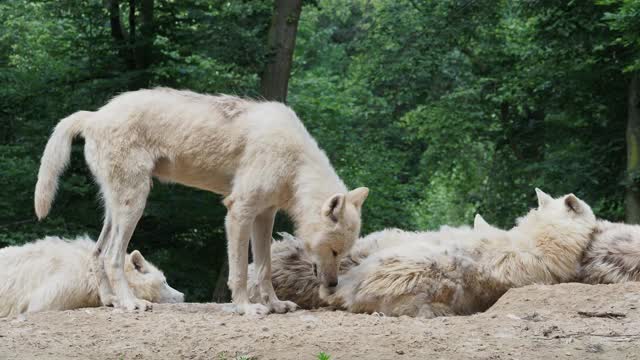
pixel 129 186
pixel 98 258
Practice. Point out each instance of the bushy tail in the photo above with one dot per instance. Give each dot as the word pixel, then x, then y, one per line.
pixel 55 159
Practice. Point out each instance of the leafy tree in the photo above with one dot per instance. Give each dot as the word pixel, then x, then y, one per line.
pixel 443 108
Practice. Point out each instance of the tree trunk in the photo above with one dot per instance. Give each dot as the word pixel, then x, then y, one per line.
pixel 146 33
pixel 119 35
pixel 132 23
pixel 221 292
pixel 632 198
pixel 142 45
pixel 134 48
pixel 281 42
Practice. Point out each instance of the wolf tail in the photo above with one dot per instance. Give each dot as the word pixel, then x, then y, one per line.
pixel 55 159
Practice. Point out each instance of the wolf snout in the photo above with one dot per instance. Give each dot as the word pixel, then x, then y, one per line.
pixel 330 282
pixel 175 300
pixel 173 296
pixel 331 287
pixel 179 297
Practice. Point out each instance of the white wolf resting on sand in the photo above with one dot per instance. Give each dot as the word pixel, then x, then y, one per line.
pixel 447 272
pixel 612 256
pixel 257 154
pixel 56 274
pixel 293 273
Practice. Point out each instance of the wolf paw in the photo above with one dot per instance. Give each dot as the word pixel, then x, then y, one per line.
pixel 280 307
pixel 133 305
pixel 109 300
pixel 252 309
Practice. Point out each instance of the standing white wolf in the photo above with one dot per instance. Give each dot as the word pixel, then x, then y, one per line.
pixel 453 271
pixel 57 274
pixel 257 154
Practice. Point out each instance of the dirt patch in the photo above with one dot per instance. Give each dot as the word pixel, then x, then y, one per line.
pixel 535 322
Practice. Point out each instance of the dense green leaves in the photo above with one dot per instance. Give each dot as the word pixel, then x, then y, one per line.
pixel 58 57
pixel 443 108
pixel 481 101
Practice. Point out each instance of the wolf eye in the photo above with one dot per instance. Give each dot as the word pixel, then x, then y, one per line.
pixel 315 270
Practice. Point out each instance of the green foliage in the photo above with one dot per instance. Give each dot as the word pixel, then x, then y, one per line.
pixel 324 356
pixel 225 356
pixel 465 107
pixel 58 57
pixel 443 108
pixel 622 17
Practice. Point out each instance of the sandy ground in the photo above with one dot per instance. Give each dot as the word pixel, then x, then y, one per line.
pixel 536 322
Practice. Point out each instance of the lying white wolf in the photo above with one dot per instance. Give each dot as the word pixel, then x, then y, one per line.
pixel 448 272
pixel 612 255
pixel 257 154
pixel 56 274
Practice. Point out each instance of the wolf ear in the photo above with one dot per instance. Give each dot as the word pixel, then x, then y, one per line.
pixel 333 207
pixel 480 224
pixel 137 260
pixel 573 203
pixel 543 198
pixel 358 196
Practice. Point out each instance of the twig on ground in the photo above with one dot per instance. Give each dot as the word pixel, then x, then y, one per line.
pixel 616 337
pixel 606 314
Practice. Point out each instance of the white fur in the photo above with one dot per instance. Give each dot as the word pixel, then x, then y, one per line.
pixel 613 256
pixel 450 271
pixel 257 154
pixel 56 274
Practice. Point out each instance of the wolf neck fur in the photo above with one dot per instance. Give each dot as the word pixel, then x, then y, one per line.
pixel 316 181
pixel 557 252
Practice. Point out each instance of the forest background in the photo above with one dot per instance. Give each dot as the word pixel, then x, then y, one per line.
pixel 444 108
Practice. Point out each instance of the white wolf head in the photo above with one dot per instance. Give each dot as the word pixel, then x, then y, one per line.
pixel 557 232
pixel 148 282
pixel 566 209
pixel 334 236
pixel 566 219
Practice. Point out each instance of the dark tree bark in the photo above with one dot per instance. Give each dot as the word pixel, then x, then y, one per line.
pixel 281 42
pixel 146 33
pixel 142 44
pixel 118 34
pixel 114 20
pixel 132 23
pixel 135 49
pixel 632 197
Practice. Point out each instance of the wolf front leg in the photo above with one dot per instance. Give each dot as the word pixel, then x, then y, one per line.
pixel 238 226
pixel 261 245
